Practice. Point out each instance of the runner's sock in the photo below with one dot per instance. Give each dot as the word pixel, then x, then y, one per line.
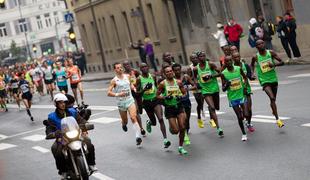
pixel 29 113
pixel 136 127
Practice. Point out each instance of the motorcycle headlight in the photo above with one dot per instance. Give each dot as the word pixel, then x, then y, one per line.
pixel 72 134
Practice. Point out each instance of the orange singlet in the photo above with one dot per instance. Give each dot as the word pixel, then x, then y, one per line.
pixel 74 71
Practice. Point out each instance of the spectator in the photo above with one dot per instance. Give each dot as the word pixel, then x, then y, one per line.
pixel 220 36
pixel 140 47
pixel 148 47
pixel 282 31
pixel 290 22
pixel 267 32
pixel 254 32
pixel 233 31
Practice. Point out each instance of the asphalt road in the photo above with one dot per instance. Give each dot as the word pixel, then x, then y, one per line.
pixel 270 152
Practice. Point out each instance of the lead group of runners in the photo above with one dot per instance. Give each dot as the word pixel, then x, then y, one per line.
pixel 135 90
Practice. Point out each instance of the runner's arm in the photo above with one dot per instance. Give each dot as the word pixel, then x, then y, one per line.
pixel 160 90
pixel 275 56
pixel 254 59
pixel 214 67
pixel 183 90
pixel 191 82
pixel 245 78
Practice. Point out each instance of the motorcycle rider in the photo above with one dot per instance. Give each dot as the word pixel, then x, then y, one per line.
pixel 54 126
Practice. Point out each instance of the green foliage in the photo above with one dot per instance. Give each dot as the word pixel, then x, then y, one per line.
pixel 14 50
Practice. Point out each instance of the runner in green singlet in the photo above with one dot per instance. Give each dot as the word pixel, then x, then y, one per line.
pixel 264 63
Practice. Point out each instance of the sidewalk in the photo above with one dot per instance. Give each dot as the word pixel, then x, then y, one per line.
pixel 305 59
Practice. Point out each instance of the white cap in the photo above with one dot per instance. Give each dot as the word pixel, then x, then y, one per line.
pixel 60 97
pixel 252 21
pixel 219 25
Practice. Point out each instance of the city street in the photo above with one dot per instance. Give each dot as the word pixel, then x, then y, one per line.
pixel 270 153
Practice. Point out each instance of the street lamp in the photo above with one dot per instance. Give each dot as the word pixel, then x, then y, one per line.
pixel 2 3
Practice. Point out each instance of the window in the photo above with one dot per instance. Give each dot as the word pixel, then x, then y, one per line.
pixel 56 18
pixel 169 18
pixel 94 33
pixel 106 32
pixel 288 5
pixel 22 23
pixel 48 21
pixel 116 34
pixel 128 27
pixel 84 32
pixel 3 31
pixel 150 10
pixel 102 33
pixel 39 22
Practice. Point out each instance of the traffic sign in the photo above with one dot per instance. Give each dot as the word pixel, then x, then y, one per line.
pixel 69 17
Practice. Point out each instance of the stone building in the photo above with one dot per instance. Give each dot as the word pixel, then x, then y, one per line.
pixel 121 22
pixel 173 25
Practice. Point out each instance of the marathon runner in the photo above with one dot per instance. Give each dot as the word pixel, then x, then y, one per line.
pixel 206 74
pixel 3 92
pixel 235 83
pixel 121 86
pixel 61 78
pixel 37 77
pixel 264 63
pixel 15 89
pixel 147 87
pixel 171 91
pixel 25 93
pixel 48 78
pixel 74 74
pixel 188 84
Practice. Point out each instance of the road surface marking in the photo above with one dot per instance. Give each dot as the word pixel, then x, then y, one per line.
pixel 105 120
pixel 101 176
pixel 40 149
pixel 306 125
pixel 95 89
pixel 22 133
pixel 4 146
pixel 34 138
pixel 3 136
pixel 263 120
pixel 300 75
pixel 270 117
pixel 207 113
pixel 99 108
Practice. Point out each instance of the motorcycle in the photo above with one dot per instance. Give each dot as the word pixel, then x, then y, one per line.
pixel 74 149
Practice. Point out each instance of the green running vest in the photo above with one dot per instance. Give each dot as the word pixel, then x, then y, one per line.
pixel 151 93
pixel 173 90
pixel 208 87
pixel 264 72
pixel 235 90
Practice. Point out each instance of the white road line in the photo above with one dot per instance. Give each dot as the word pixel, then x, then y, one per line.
pixel 299 75
pixel 2 136
pixel 22 133
pixel 40 149
pixel 34 138
pixel 94 90
pixel 207 113
pixel 306 125
pixel 99 108
pixel 270 117
pixel 263 120
pixel 4 146
pixel 101 176
pixel 105 120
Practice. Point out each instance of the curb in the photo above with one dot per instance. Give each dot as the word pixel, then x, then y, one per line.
pixel 97 79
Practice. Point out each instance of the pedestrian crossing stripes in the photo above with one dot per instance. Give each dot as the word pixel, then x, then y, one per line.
pixel 34 138
pixel 2 136
pixel 270 117
pixel 267 119
pixel 207 113
pixel 300 75
pixel 105 120
pixel 4 146
pixel 306 125
pixel 41 149
pixel 97 108
pixel 101 176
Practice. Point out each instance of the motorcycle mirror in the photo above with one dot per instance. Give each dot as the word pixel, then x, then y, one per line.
pixel 45 122
pixel 89 126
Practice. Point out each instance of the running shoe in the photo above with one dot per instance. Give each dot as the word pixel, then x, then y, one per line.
pixel 167 143
pixel 124 126
pixel 6 109
pixel 143 132
pixel 280 123
pixel 244 137
pixel 20 108
pixel 220 132
pixel 212 123
pixel 182 151
pixel 187 141
pixel 148 126
pixel 138 141
pixel 250 127
pixel 200 123
pixel 31 118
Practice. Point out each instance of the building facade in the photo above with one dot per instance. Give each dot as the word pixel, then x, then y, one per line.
pixel 199 18
pixel 120 22
pixel 34 22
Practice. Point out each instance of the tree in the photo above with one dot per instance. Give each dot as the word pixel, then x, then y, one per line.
pixel 14 50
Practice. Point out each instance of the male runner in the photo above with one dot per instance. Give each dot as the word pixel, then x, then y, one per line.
pixel 267 76
pixel 26 94
pixel 74 74
pixel 61 78
pixel 121 86
pixel 3 94
pixel 48 78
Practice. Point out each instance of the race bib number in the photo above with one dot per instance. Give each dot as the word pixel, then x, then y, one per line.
pixel 173 90
pixel 127 94
pixel 264 66
pixel 60 79
pixel 48 76
pixel 204 75
pixel 24 88
pixel 235 84
pixel 14 85
pixel 150 91
pixel 75 77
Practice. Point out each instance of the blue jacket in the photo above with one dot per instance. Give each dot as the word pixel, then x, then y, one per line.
pixel 57 120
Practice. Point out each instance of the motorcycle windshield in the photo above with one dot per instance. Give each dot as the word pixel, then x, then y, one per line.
pixel 69 124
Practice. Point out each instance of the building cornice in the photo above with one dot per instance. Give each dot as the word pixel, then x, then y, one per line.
pixel 87 5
